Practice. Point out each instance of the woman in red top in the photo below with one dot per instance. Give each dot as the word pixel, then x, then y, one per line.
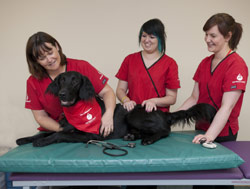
pixel 149 77
pixel 220 79
pixel 46 61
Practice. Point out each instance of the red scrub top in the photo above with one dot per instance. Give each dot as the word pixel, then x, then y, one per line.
pixel 164 74
pixel 36 99
pixel 229 75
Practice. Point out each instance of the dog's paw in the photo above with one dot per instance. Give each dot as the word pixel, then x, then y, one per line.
pixel 147 141
pixel 22 141
pixel 129 137
pixel 40 142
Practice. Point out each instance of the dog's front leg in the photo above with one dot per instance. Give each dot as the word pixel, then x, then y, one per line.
pixel 45 141
pixel 66 127
pixel 66 137
pixel 132 135
pixel 26 140
pixel 150 139
pixel 55 138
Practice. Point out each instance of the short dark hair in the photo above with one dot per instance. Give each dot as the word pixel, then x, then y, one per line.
pixel 34 48
pixel 226 24
pixel 155 27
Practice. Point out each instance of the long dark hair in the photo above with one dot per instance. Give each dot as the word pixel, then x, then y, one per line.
pixel 155 27
pixel 226 24
pixel 35 46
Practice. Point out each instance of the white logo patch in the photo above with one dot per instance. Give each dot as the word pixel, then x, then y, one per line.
pixel 89 116
pixel 85 112
pixel 239 77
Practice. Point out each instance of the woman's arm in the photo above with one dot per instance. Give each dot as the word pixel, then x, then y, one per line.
pixel 108 96
pixel 153 103
pixel 43 119
pixel 192 100
pixel 121 93
pixel 229 100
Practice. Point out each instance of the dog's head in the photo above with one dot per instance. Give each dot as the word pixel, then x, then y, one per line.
pixel 70 87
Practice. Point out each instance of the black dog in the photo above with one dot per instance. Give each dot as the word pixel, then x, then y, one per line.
pixel 72 87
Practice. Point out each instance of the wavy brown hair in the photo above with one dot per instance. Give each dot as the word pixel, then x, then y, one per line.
pixel 36 45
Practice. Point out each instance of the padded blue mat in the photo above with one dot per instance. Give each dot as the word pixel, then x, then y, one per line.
pixel 174 153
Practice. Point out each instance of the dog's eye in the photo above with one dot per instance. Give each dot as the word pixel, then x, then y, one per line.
pixel 62 80
pixel 74 81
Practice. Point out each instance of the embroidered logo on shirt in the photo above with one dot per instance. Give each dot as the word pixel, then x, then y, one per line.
pixel 102 78
pixel 233 87
pixel 27 99
pixel 239 79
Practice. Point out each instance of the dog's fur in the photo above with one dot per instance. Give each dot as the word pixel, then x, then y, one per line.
pixel 71 87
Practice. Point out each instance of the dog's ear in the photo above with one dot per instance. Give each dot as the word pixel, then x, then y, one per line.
pixel 54 87
pixel 87 90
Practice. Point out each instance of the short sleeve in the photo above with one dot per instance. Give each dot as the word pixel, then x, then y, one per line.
pixel 172 77
pixel 122 73
pixel 236 77
pixel 32 100
pixel 196 76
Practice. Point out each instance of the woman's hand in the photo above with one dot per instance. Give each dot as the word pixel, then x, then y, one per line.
pixel 108 97
pixel 107 126
pixel 149 105
pixel 129 105
pixel 121 93
pixel 197 138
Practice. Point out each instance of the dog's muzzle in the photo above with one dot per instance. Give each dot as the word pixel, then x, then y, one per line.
pixel 63 96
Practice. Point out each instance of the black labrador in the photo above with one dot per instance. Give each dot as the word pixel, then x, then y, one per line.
pixel 72 87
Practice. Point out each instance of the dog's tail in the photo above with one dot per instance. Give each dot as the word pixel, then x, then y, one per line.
pixel 197 113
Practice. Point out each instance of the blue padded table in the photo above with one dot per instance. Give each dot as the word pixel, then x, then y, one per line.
pixel 237 174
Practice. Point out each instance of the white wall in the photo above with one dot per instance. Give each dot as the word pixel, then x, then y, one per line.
pixel 103 32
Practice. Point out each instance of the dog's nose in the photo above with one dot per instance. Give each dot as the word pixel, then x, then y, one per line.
pixel 62 94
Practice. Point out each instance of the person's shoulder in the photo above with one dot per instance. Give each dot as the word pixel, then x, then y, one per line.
pixel 75 63
pixel 133 55
pixel 207 59
pixel 131 58
pixel 168 60
pixel 168 57
pixel 237 59
pixel 32 79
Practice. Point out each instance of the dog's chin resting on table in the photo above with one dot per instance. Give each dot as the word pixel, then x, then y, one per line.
pixel 73 89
